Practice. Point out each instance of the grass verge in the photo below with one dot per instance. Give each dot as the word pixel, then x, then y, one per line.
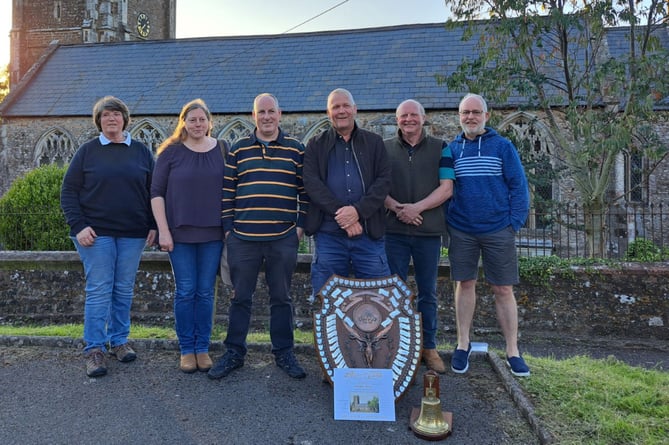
pixel 599 402
pixel 580 400
pixel 138 331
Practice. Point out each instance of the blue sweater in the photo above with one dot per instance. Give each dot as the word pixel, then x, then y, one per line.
pixel 107 187
pixel 490 190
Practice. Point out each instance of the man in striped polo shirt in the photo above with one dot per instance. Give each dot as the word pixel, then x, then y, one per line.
pixel 263 208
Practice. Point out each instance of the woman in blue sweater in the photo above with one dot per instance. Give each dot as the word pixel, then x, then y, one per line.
pixel 186 195
pixel 105 198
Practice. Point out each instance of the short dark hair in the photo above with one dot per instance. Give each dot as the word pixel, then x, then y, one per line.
pixel 110 103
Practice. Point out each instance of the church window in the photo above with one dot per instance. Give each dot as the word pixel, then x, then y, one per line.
pixel 316 129
pixel 149 134
pixel 235 130
pixel 57 10
pixel 54 147
pixel 535 152
pixel 634 175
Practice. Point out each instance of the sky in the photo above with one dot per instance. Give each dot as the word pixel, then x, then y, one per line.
pixel 205 18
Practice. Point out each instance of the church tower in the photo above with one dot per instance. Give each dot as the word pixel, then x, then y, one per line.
pixel 38 23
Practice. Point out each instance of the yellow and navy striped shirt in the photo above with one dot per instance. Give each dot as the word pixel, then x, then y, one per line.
pixel 263 192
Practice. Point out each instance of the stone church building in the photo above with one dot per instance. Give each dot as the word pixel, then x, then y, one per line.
pixel 37 23
pixel 68 54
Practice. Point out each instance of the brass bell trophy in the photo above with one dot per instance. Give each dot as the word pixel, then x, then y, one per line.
pixel 430 422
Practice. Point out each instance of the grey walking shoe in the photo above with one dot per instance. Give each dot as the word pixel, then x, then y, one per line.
pixel 124 353
pixel 95 363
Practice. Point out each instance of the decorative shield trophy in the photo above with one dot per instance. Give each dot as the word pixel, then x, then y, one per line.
pixel 369 324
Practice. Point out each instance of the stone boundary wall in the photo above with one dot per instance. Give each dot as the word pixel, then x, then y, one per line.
pixel 630 300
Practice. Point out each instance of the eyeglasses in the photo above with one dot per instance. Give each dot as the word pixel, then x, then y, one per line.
pixel 468 112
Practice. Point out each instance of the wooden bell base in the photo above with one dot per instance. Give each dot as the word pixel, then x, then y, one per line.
pixel 448 418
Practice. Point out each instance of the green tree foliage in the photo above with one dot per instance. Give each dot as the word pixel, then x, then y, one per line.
pixel 30 214
pixel 4 82
pixel 555 54
pixel 374 404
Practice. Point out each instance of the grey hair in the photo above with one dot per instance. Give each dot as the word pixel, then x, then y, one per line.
pixel 477 96
pixel 263 95
pixel 342 91
pixel 411 101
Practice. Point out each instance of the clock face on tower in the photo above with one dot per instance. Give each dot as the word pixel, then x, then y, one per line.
pixel 143 25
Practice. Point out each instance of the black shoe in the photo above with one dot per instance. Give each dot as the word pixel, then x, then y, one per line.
pixel 225 365
pixel 289 364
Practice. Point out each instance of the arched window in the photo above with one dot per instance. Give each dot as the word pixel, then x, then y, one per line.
pixel 533 140
pixel 236 129
pixel 316 129
pixel 56 146
pixel 149 133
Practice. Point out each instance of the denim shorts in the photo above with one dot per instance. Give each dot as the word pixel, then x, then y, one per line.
pixel 496 250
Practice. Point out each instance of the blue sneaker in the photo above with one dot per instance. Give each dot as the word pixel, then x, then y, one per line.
pixel 518 366
pixel 460 360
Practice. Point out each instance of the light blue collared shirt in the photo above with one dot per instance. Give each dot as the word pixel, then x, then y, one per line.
pixel 105 141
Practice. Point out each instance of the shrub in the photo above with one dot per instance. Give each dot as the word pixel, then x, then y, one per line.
pixel 30 213
pixel 644 250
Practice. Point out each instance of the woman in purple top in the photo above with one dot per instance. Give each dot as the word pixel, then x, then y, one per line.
pixel 186 193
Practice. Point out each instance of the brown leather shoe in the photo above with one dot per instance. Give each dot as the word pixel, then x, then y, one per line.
pixel 204 362
pixel 188 363
pixel 433 361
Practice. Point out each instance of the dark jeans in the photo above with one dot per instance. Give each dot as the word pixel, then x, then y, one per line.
pixel 340 255
pixel 245 259
pixel 425 252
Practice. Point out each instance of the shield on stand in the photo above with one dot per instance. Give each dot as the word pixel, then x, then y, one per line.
pixel 369 323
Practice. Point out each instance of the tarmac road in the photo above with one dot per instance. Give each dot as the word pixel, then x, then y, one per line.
pixel 46 398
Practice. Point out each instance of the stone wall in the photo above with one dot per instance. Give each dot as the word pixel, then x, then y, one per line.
pixel 630 301
pixel 22 146
pixel 24 142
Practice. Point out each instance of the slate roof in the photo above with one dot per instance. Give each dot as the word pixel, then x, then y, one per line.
pixel 380 66
pixel 618 45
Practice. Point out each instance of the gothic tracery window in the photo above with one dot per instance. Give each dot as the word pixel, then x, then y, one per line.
pixel 536 152
pixel 235 130
pixel 149 134
pixel 316 129
pixel 56 146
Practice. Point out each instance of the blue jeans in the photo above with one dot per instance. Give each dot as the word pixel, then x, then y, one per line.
pixel 110 267
pixel 335 254
pixel 194 266
pixel 425 251
pixel 245 259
